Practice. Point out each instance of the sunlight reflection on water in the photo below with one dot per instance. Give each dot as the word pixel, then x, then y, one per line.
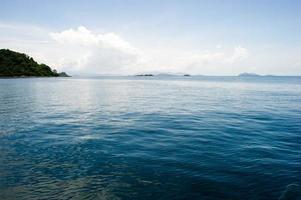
pixel 149 138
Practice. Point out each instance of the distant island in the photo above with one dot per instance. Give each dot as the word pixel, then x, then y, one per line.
pixel 15 64
pixel 249 75
pixel 144 75
pixel 163 74
pixel 170 74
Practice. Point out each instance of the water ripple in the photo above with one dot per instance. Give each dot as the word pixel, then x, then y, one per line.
pixel 130 138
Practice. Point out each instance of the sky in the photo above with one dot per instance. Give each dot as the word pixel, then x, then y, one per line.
pixel 124 37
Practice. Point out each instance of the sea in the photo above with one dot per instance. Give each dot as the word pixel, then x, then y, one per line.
pixel 149 138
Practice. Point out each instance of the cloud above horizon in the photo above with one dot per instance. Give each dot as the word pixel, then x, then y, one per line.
pixel 81 50
pixel 195 37
pixel 95 53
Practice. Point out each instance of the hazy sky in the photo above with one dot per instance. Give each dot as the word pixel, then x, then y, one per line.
pixel 212 37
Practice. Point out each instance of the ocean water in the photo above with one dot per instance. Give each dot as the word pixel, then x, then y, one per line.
pixel 150 138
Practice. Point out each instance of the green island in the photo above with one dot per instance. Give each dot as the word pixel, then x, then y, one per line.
pixel 15 64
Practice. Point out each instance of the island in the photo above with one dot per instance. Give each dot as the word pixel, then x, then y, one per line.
pixel 15 64
pixel 163 74
pixel 144 75
pixel 249 75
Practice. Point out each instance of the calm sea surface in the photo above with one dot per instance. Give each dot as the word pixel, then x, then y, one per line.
pixel 146 138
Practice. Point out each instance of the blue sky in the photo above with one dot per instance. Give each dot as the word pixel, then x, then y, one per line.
pixel 216 37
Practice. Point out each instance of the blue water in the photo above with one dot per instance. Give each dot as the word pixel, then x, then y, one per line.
pixel 150 138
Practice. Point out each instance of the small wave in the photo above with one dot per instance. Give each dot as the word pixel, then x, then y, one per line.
pixel 292 192
pixel 88 137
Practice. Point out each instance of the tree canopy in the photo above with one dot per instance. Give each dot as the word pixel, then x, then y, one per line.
pixel 14 64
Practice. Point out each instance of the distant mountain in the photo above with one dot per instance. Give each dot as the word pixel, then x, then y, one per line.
pixel 249 75
pixel 166 74
pixel 15 64
pixel 163 74
pixel 63 74
pixel 172 74
pixel 144 75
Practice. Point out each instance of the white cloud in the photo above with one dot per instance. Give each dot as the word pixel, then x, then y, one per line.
pixel 95 53
pixel 219 61
pixel 221 57
pixel 81 50
pixel 83 36
pixel 240 53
